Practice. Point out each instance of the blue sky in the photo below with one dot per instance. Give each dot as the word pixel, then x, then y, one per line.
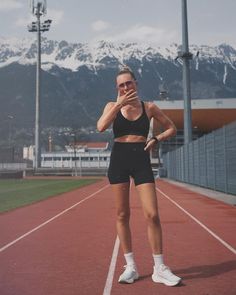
pixel 211 22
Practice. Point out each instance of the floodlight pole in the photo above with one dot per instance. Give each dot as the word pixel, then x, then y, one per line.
pixel 186 56
pixel 38 10
pixel 38 93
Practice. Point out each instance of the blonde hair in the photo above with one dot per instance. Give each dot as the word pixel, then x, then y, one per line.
pixel 126 70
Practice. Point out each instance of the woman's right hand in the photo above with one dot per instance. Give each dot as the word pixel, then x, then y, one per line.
pixel 127 98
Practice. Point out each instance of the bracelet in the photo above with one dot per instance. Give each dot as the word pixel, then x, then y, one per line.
pixel 156 140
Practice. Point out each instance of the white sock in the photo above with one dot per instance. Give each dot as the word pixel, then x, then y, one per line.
pixel 129 258
pixel 158 259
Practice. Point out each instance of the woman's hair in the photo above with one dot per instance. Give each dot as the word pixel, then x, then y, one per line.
pixel 126 70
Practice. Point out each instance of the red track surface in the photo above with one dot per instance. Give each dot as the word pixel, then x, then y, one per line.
pixel 71 254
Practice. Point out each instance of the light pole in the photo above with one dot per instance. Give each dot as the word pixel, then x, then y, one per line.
pixel 75 155
pixel 186 56
pixel 38 8
pixel 10 118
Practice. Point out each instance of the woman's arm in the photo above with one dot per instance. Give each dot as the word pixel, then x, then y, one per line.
pixel 166 123
pixel 108 116
pixel 169 127
pixel 112 108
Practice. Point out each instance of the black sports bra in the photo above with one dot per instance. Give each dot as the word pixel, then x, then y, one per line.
pixel 123 126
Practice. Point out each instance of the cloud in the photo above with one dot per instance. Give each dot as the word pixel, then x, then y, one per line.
pixel 6 5
pixel 23 22
pixel 141 33
pixel 100 25
pixel 55 15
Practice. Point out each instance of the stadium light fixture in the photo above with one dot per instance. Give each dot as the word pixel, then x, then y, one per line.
pixel 38 8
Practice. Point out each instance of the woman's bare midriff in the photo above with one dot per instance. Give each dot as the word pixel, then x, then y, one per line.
pixel 131 138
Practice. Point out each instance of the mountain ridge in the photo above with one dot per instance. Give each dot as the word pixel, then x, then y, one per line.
pixel 79 79
pixel 93 55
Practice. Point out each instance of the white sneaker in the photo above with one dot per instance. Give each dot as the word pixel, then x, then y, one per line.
pixel 164 275
pixel 129 275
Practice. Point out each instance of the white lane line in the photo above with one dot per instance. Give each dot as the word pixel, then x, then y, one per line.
pixel 111 271
pixel 199 222
pixel 51 219
pixel 108 285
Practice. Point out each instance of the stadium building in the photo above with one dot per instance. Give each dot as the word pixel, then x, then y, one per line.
pixel 207 115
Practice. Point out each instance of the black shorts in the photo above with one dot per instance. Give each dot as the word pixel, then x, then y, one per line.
pixel 130 160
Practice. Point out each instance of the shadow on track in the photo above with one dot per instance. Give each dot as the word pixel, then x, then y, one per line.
pixel 206 271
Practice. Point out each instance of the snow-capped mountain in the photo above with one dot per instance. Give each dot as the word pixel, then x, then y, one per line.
pixel 78 79
pixel 96 55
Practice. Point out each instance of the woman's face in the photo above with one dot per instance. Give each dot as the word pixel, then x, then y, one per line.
pixel 124 83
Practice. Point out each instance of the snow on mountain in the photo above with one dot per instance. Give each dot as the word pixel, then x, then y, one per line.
pixel 102 54
pixel 80 78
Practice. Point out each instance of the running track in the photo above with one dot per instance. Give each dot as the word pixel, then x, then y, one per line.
pixel 67 245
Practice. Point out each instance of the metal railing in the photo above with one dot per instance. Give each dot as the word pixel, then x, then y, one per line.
pixel 209 161
pixel 13 166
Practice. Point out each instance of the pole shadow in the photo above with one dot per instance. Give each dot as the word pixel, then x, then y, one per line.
pixel 206 271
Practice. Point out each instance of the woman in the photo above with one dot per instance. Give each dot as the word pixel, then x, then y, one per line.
pixel 130 158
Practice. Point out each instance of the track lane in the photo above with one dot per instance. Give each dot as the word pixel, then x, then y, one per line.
pixel 218 216
pixel 67 256
pixel 72 254
pixel 206 266
pixel 23 219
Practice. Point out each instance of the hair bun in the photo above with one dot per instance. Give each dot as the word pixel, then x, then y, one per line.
pixel 125 69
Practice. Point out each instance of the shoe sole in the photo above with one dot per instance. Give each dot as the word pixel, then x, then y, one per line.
pixel 166 282
pixel 130 281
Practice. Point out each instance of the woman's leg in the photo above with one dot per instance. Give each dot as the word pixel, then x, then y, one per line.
pixel 121 192
pixel 147 193
pixel 161 273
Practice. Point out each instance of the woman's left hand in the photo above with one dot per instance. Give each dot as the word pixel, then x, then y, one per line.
pixel 150 144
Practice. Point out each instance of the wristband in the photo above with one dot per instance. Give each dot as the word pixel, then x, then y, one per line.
pixel 156 140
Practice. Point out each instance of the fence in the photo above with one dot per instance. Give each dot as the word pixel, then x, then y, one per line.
pixel 13 166
pixel 209 161
pixel 12 170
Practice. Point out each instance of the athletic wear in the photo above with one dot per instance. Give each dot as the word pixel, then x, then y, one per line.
pixel 123 126
pixel 163 274
pixel 130 159
pixel 158 259
pixel 129 275
pixel 129 258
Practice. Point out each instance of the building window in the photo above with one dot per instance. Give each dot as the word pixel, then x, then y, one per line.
pixel 47 159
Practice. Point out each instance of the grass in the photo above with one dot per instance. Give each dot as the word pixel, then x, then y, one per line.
pixel 21 192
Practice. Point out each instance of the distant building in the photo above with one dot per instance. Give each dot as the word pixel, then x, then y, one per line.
pixel 28 152
pixel 207 115
pixel 78 155
pixel 87 147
